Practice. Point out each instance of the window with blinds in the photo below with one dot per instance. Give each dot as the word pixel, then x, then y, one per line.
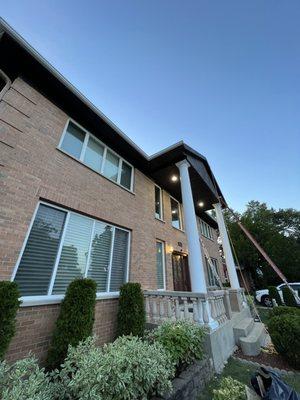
pixel 211 278
pixel 160 265
pixel 63 246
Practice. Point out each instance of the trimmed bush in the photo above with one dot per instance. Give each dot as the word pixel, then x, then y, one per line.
pixel 128 369
pixel 131 312
pixel 230 389
pixel 284 310
pixel 285 334
pixel 75 320
pixel 274 294
pixel 9 304
pixel 25 380
pixel 288 297
pixel 183 340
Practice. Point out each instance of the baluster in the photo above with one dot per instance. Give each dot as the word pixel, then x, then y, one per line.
pixel 147 307
pixel 205 311
pixel 227 305
pixel 155 317
pixel 177 310
pixel 161 308
pixel 195 310
pixel 200 311
pixel 170 310
pixel 185 308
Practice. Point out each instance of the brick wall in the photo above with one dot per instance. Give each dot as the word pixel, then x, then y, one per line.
pixel 32 168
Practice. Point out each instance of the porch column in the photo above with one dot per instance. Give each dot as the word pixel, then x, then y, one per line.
pixel 234 282
pixel 195 253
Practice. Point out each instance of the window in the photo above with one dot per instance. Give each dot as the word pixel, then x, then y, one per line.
pixel 4 83
pixel 211 278
pixel 86 148
pixel 175 214
pixel 206 230
pixel 64 245
pixel 158 202
pixel 160 265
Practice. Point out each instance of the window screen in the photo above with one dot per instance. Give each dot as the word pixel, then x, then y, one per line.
pixel 160 265
pixel 73 140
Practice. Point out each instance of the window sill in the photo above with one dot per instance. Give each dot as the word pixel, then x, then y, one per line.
pixel 96 172
pixel 178 229
pixel 160 220
pixel 31 301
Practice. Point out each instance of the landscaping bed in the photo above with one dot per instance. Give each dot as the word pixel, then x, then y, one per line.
pixel 273 360
pixel 242 372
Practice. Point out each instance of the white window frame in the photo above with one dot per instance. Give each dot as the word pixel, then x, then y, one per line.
pixel 54 298
pixel 206 230
pixel 180 215
pixel 160 203
pixel 164 262
pixel 83 150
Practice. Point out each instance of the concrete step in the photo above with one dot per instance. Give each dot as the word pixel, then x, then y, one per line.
pixel 251 344
pixel 242 329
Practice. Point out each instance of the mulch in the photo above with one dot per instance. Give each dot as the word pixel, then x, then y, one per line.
pixel 273 360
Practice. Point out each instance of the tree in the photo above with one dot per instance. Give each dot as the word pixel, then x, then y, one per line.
pixel 278 232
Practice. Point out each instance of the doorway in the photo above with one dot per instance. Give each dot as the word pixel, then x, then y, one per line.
pixel 181 274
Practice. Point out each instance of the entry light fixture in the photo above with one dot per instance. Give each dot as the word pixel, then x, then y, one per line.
pixel 174 178
pixel 201 204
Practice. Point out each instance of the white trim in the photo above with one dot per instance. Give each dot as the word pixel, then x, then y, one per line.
pixel 179 214
pixel 161 218
pixel 83 151
pixel 112 246
pixel 89 250
pixel 54 271
pixel 29 301
pixel 51 298
pixel 163 260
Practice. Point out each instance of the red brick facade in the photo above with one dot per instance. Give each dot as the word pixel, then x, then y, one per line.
pixel 32 168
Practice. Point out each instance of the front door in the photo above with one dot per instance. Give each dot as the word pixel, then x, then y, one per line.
pixel 181 275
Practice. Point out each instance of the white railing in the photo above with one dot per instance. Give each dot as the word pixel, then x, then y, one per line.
pixel 203 308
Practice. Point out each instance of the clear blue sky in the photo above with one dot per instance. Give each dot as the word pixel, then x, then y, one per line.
pixel 224 76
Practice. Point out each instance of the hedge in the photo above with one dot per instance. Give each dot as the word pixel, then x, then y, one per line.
pixel 284 310
pixel 274 294
pixel 131 312
pixel 288 297
pixel 285 334
pixel 9 304
pixel 75 320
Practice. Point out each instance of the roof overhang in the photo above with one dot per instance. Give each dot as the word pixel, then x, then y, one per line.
pixel 19 58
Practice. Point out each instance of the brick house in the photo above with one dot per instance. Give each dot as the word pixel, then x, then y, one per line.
pixel 79 198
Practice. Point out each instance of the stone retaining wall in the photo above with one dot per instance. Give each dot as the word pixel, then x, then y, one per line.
pixel 191 382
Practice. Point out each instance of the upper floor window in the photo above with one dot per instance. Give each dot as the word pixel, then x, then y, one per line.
pixel 176 213
pixel 212 271
pixel 80 144
pixel 160 265
pixel 158 203
pixel 4 83
pixel 64 245
pixel 206 230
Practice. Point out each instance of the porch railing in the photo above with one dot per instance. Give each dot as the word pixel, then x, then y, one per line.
pixel 203 308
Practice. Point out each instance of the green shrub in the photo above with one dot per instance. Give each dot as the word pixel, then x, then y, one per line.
pixel 25 380
pixel 230 389
pixel 284 310
pixel 9 304
pixel 131 313
pixel 183 340
pixel 274 294
pixel 127 369
pixel 75 320
pixel 288 297
pixel 285 334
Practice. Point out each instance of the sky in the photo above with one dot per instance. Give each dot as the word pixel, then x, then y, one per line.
pixel 224 76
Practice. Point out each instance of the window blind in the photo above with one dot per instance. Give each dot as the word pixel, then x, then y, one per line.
pixel 39 256
pixel 119 260
pixel 160 265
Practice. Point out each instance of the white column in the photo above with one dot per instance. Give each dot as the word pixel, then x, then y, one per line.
pixel 234 282
pixel 195 253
